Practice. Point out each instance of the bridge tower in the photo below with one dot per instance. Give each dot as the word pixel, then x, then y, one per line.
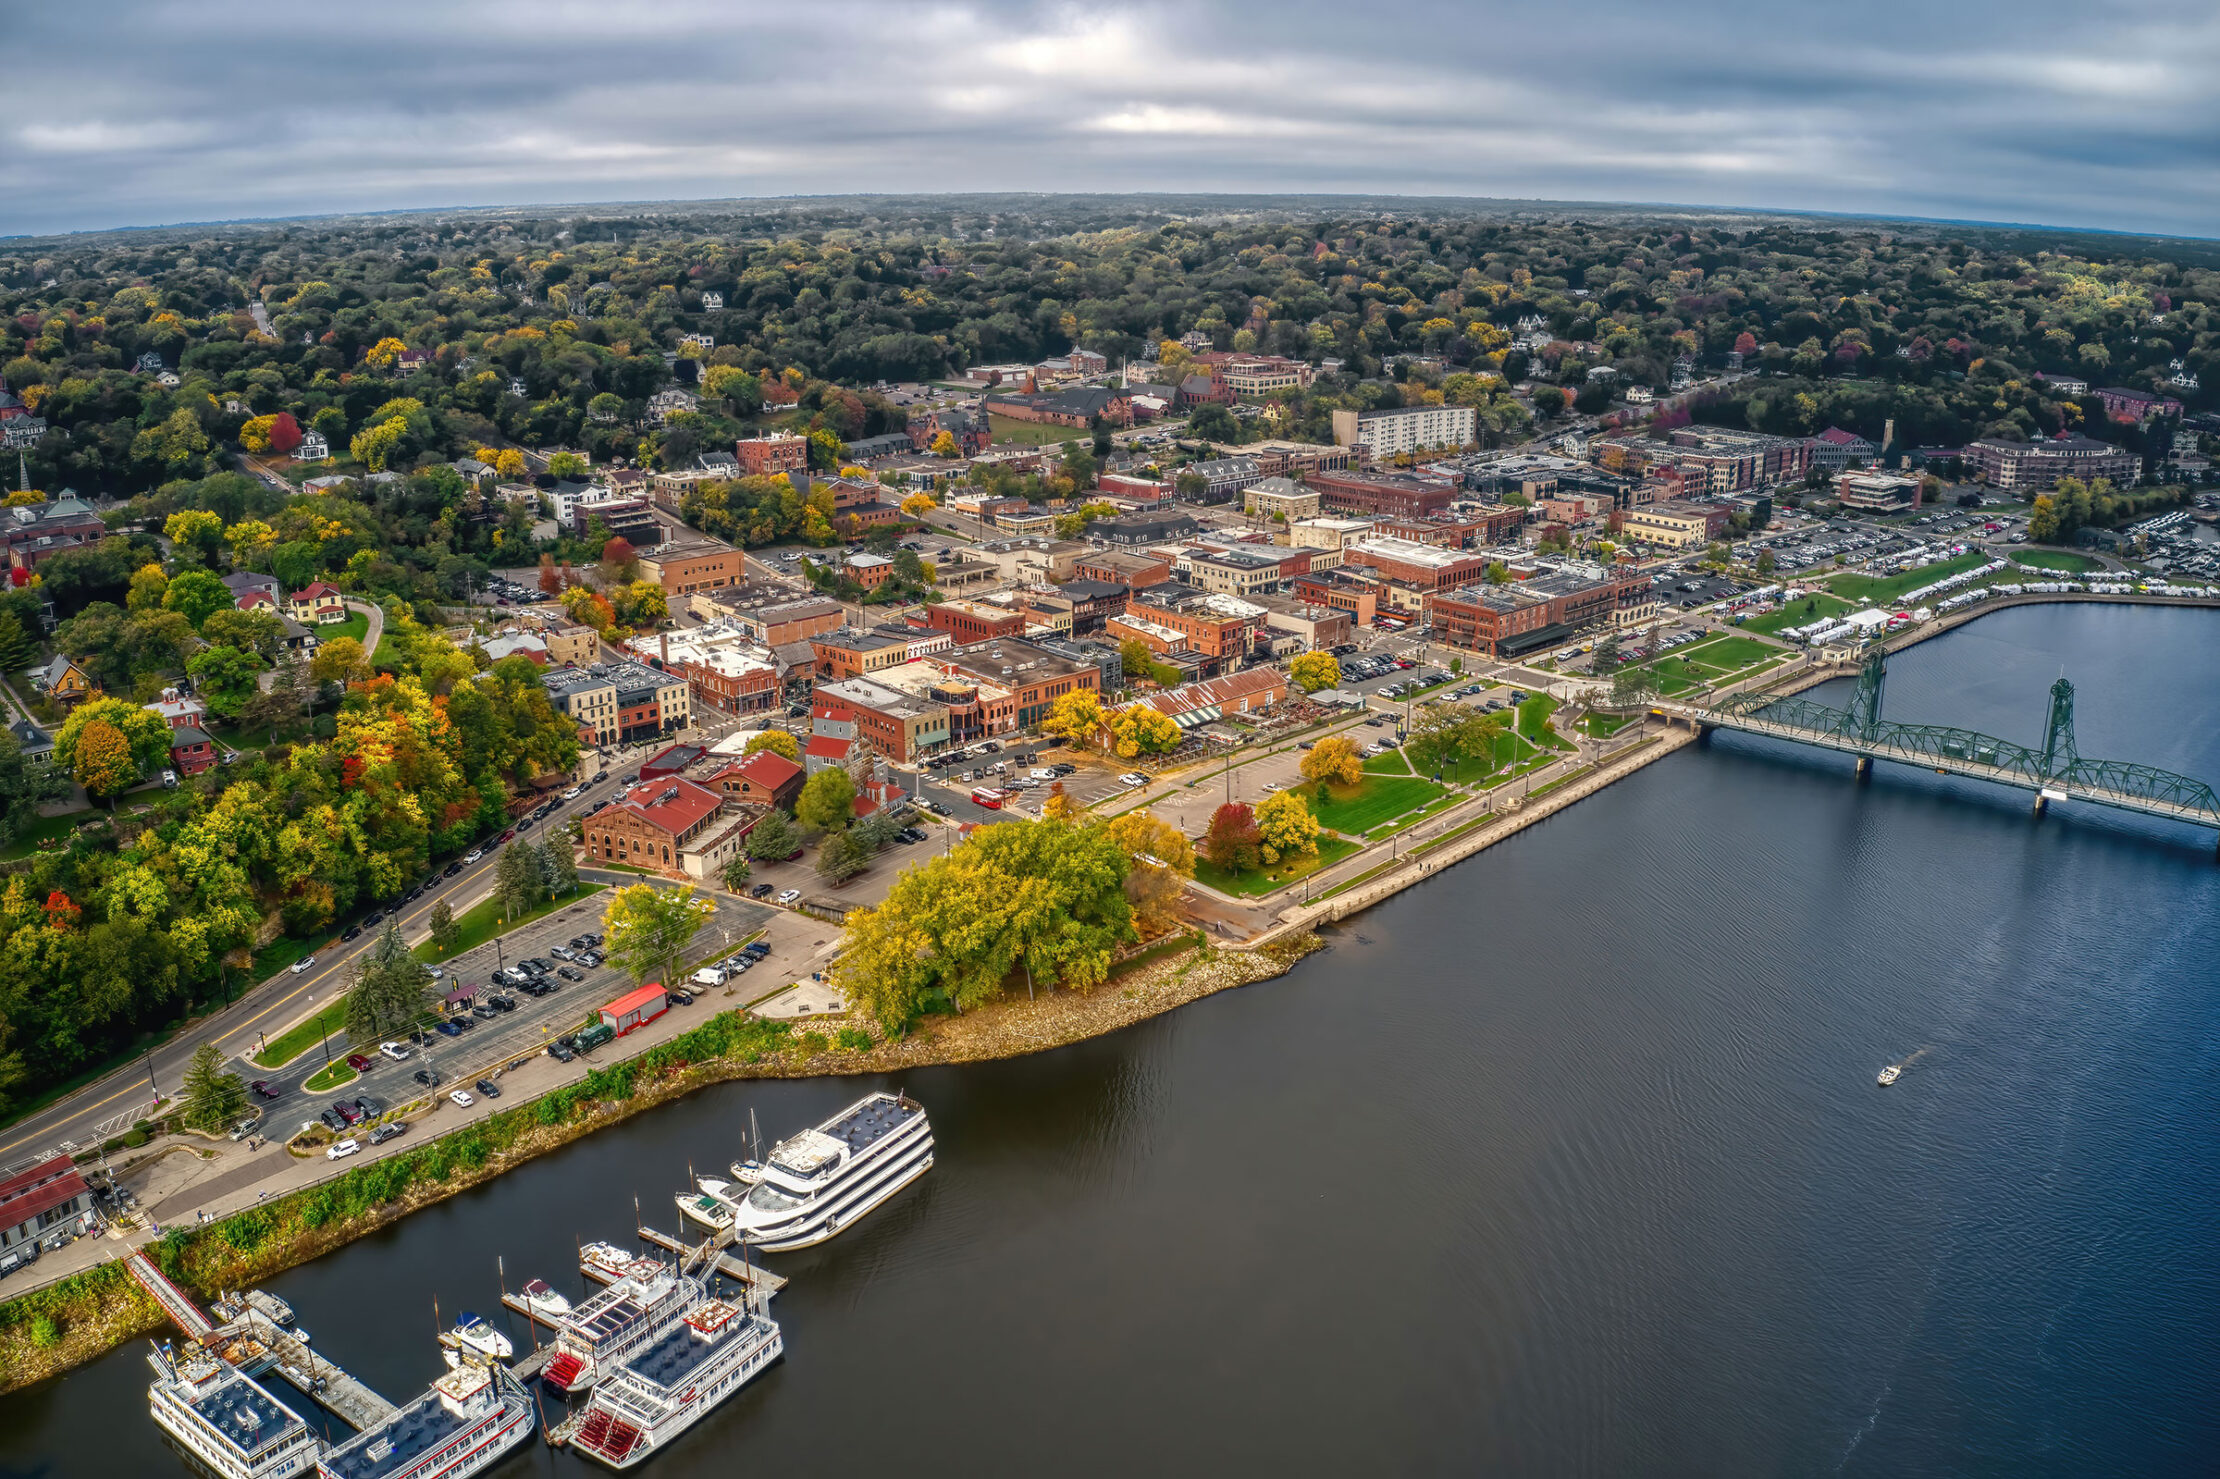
pixel 1865 703
pixel 2059 750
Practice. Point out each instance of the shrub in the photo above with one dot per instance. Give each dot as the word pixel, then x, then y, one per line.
pixel 813 1043
pixel 854 1039
pixel 46 1333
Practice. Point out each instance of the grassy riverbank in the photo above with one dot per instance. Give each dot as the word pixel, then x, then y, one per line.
pixel 48 1331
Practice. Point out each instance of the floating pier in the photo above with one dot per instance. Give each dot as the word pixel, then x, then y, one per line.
pixel 755 1277
pixel 330 1386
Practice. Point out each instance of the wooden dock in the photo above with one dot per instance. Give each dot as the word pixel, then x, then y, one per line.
pixel 754 1276
pixel 331 1387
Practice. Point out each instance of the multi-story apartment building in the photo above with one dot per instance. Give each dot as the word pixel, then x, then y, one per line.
pixel 693 562
pixel 1372 495
pixel 780 451
pixel 893 723
pixel 1428 567
pixel 1261 374
pixel 1676 525
pixel 1280 498
pixel 588 697
pixel 854 652
pixel 2041 464
pixel 1386 432
pixel 1523 616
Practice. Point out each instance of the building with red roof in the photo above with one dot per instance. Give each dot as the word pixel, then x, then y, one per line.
pixel 765 778
pixel 671 826
pixel 636 1008
pixel 41 1197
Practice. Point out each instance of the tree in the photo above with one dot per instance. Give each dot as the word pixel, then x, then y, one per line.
pixel 148 737
pixel 1315 670
pixel 197 595
pixel 735 873
pixel 516 881
pixel 828 800
pixel 196 530
pixel 103 763
pixel 148 584
pixel 16 650
pixel 284 433
pixel 339 661
pixel 258 632
pixel 646 927
pixel 1141 729
pixel 777 741
pixel 1045 900
pixel 1766 563
pixel 640 604
pixel 1134 655
pixel 389 990
pixel 226 678
pixel 384 354
pixel 1333 760
pixel 445 933
pixel 22 787
pixel 1288 828
pixel 773 839
pixel 2042 522
pixel 567 465
pixel 944 445
pixel 1442 732
pixel 559 867
pixel 1630 685
pixel 1076 718
pixel 1233 843
pixel 619 561
pixel 214 1100
pixel 1161 859
pixel 587 607
pixel 844 855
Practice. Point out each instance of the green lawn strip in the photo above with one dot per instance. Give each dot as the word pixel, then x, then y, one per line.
pixel 1389 763
pixel 1730 653
pixel 1452 834
pixel 328 1078
pixel 304 1034
pixel 1882 589
pixel 1603 726
pixel 2055 559
pixel 357 626
pixel 1354 810
pixel 1801 613
pixel 47 829
pixel 1361 879
pixel 1169 945
pixel 1256 882
pixel 482 921
pixel 1534 722
pixel 1541 791
pixel 1033 433
pixel 280 953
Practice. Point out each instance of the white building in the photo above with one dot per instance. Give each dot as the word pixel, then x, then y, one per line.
pixel 313 448
pixel 1396 429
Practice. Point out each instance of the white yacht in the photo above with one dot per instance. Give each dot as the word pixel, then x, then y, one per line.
pixel 710 1204
pixel 621 1318
pixel 1890 1073
pixel 543 1300
pixel 224 1421
pixel 467 1420
pixel 820 1181
pixel 473 1339
pixel 666 1387
pixel 605 1262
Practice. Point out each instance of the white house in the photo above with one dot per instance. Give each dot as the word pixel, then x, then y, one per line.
pixel 313 448
pixel 711 302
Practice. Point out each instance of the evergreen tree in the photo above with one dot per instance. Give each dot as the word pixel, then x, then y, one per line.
pixel 736 872
pixel 388 991
pixel 445 932
pixel 561 868
pixel 214 1099
pixel 773 839
pixel 516 881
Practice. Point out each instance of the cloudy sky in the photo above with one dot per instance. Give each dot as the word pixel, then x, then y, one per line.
pixel 2086 113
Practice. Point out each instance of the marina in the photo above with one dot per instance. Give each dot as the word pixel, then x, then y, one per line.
pixel 821 1180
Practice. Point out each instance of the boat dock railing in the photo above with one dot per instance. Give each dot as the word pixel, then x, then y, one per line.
pixel 175 1303
pixel 330 1386
pixel 754 1276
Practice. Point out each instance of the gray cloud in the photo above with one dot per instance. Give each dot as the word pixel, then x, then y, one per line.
pixel 2062 113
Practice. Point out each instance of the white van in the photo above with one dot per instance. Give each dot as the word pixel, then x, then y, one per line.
pixel 710 975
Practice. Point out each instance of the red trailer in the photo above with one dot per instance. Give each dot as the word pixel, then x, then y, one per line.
pixel 636 1008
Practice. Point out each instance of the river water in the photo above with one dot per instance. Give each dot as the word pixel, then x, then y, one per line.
pixel 1570 1161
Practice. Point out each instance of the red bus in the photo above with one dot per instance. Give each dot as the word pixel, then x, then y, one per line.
pixel 990 798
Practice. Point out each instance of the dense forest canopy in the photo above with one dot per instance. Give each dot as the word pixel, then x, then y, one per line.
pixel 498 328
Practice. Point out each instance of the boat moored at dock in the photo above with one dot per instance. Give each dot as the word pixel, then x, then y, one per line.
pixel 224 1421
pixel 473 1339
pixel 710 1204
pixel 814 1184
pixel 605 1329
pixel 605 1263
pixel 464 1423
pixel 667 1386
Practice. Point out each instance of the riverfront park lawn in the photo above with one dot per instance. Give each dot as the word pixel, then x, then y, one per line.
pixel 1715 660
pixel 1802 613
pixel 1259 881
pixel 1882 589
pixel 2065 561
pixel 1356 810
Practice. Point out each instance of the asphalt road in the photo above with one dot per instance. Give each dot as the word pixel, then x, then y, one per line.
pixel 107 1107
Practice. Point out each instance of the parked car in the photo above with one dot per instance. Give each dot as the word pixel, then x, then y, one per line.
pixel 570 975
pixel 591 960
pixel 305 963
pixel 393 1050
pixel 340 1150
pixel 386 1132
pixel 755 948
pixel 450 870
pixel 351 932
pixel 571 794
pixel 760 891
pixel 450 1028
pixel 474 855
pixel 1133 778
pixel 333 1119
pixel 347 1111
pixel 370 1105
pixel 790 896
pixel 560 1052
pixel 488 1088
pixel 460 1097
pixel 562 952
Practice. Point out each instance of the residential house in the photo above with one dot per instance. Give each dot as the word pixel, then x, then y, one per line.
pixel 191 750
pixel 178 710
pixel 319 604
pixel 64 682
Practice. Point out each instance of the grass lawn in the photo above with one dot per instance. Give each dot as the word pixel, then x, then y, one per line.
pixel 356 626
pixel 1534 722
pixel 1035 433
pixel 27 842
pixel 303 1035
pixel 1355 810
pixel 481 922
pixel 1250 885
pixel 1603 726
pixel 329 1078
pixel 2055 559
pixel 1881 590
pixel 1390 763
pixel 1796 614
pixel 1715 660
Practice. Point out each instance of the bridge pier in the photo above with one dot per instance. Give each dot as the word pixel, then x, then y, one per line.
pixel 2042 803
pixel 1865 767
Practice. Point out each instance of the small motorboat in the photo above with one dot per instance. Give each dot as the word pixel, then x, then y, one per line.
pixel 710 1205
pixel 605 1261
pixel 300 1333
pixel 1889 1074
pixel 747 1173
pixel 543 1298
pixel 474 1339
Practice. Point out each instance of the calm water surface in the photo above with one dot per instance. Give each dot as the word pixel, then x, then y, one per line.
pixel 1569 1162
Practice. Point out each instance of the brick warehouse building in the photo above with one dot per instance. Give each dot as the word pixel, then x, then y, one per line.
pixel 672 826
pixel 1371 495
pixel 1524 616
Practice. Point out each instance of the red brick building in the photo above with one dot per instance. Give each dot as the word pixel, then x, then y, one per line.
pixel 974 621
pixel 1374 496
pixel 652 826
pixel 763 779
pixel 778 452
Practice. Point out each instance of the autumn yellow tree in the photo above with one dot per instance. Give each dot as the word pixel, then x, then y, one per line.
pixel 384 354
pixel 103 762
pixel 1290 831
pixel 917 505
pixel 339 661
pixel 1315 670
pixel 1076 718
pixel 197 529
pixel 1163 860
pixel 251 541
pixel 148 585
pixel 1333 760
pixel 1139 729
pixel 777 741
pixel 944 445
pixel 255 435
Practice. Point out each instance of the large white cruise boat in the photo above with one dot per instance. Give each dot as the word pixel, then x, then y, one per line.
pixel 224 1420
pixel 814 1184
pixel 667 1386
pixel 467 1420
pixel 634 1310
